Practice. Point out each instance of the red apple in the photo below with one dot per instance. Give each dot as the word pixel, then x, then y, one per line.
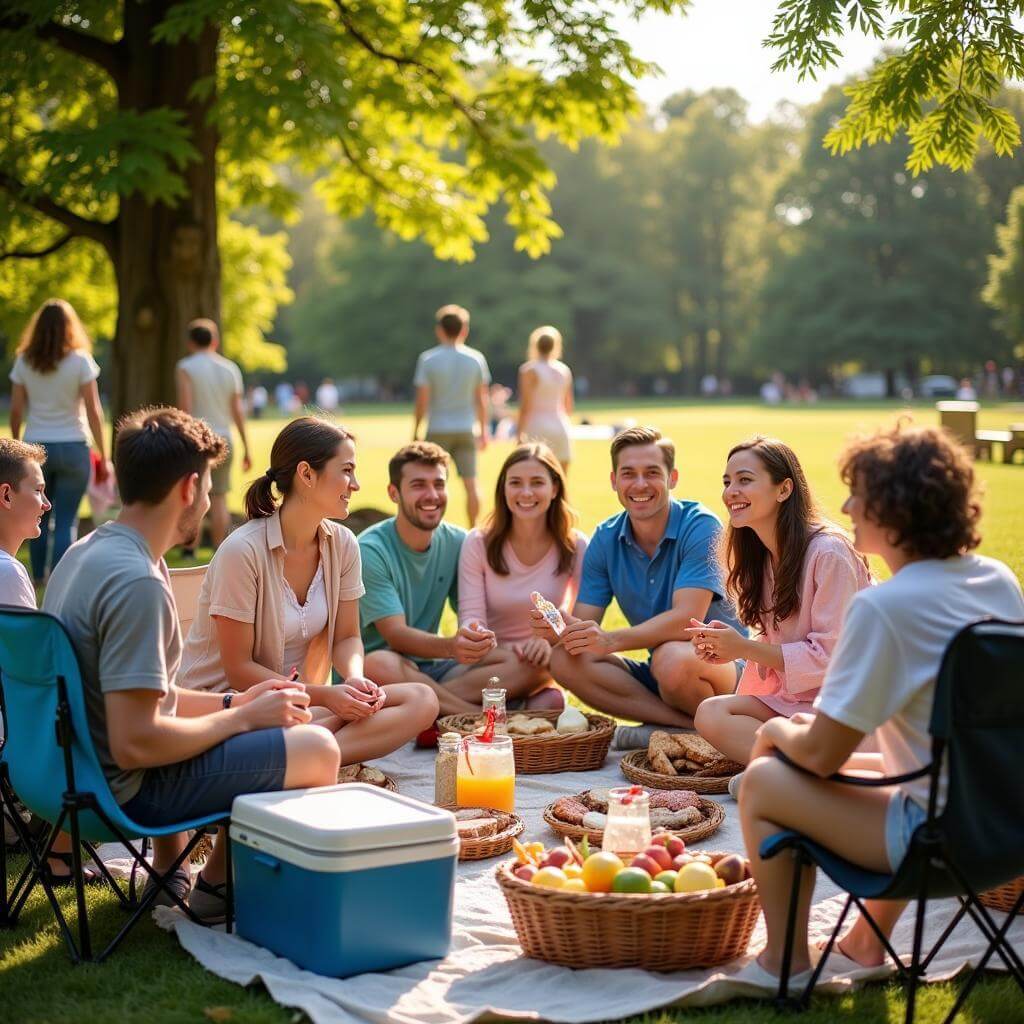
pixel 674 845
pixel 556 858
pixel 683 858
pixel 659 854
pixel 648 864
pixel 525 872
pixel 731 869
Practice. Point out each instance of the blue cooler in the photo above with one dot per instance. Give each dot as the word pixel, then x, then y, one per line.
pixel 344 879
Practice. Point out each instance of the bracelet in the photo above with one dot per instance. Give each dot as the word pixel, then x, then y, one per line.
pixel 228 697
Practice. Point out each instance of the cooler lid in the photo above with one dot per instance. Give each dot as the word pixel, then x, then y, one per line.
pixel 343 819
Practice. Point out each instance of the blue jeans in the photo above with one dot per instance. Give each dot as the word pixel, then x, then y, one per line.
pixel 66 475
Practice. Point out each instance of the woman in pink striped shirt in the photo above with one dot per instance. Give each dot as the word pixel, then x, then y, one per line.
pixel 791 573
pixel 528 543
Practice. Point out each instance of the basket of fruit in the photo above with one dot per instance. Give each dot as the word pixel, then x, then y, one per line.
pixel 485 831
pixel 680 812
pixel 547 741
pixel 680 761
pixel 580 908
pixel 368 774
pixel 1004 897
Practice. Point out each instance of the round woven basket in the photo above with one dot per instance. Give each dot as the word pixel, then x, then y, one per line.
pixel 539 755
pixel 637 768
pixel 1004 897
pixel 714 815
pixel 659 932
pixel 510 826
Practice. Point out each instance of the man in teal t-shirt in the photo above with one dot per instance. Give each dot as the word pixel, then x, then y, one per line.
pixel 410 569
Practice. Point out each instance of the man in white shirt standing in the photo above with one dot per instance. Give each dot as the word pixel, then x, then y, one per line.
pixel 210 388
pixel 451 394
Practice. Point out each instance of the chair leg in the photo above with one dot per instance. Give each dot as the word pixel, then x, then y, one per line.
pixel 84 938
pixel 782 999
pixel 915 957
pixel 229 883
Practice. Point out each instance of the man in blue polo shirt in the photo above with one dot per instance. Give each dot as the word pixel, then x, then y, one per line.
pixel 657 559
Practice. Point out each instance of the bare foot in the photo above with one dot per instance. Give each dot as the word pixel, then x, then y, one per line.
pixel 866 951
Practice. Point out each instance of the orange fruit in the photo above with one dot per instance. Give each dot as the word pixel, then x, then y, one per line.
pixel 599 869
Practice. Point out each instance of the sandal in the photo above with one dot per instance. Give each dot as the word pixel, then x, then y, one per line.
pixel 180 883
pixel 89 875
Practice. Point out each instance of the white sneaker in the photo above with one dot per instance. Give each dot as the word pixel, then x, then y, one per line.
pixel 734 786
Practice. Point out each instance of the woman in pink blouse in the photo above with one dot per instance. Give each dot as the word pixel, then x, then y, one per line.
pixel 791 573
pixel 528 543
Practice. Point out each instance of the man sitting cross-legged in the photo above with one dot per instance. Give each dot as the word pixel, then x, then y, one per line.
pixel 410 569
pixel 657 559
pixel 171 754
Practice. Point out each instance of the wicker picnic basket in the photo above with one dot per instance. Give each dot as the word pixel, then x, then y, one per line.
pixel 637 768
pixel 538 755
pixel 714 815
pixel 510 826
pixel 659 932
pixel 1004 897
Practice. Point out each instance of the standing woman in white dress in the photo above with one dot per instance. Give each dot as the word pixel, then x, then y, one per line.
pixel 545 395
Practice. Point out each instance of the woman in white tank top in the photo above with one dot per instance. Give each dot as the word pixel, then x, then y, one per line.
pixel 545 395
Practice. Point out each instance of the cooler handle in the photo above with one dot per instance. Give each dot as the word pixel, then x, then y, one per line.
pixel 267 861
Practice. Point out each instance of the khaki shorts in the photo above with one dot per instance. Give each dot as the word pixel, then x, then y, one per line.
pixel 221 475
pixel 462 448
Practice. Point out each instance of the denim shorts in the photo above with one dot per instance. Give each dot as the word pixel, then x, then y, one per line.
pixel 902 818
pixel 641 672
pixel 251 762
pixel 436 668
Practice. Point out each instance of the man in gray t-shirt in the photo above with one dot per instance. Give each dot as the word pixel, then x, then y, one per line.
pixel 210 388
pixel 451 382
pixel 171 755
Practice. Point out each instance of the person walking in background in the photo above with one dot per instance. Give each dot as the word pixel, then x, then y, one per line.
pixel 54 378
pixel 451 382
pixel 545 395
pixel 210 388
pixel 327 397
pixel 258 399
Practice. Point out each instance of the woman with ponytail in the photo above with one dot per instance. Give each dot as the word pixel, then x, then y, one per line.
pixel 281 599
pixel 791 574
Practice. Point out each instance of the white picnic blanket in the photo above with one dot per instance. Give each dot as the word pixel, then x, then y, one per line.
pixel 486 973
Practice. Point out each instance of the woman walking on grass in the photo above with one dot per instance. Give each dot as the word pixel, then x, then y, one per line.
pixel 545 395
pixel 54 378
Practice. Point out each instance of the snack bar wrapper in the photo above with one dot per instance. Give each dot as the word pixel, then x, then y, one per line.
pixel 551 614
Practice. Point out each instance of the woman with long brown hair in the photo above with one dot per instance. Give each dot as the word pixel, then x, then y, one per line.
pixel 528 544
pixel 545 395
pixel 281 599
pixel 791 574
pixel 54 382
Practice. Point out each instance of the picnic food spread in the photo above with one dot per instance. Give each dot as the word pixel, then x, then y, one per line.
pixel 475 823
pixel 668 810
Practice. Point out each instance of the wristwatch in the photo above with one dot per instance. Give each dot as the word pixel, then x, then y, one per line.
pixel 228 698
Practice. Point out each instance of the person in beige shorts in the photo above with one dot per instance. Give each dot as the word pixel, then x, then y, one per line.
pixel 210 388
pixel 451 394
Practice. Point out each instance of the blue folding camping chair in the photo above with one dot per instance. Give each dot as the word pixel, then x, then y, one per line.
pixel 974 843
pixel 49 763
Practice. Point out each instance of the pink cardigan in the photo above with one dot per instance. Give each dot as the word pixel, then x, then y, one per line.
pixel 833 573
pixel 502 603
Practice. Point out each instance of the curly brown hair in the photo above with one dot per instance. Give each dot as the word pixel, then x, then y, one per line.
pixel 919 483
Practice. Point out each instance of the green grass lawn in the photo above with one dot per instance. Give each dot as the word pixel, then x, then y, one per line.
pixel 152 980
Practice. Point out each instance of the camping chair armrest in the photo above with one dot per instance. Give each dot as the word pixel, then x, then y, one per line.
pixel 860 780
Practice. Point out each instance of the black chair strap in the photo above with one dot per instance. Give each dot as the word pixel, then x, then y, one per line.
pixel 858 780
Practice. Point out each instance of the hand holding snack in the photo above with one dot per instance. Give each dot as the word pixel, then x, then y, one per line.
pixel 472 642
pixel 551 615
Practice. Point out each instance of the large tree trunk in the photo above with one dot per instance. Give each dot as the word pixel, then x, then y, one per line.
pixel 167 262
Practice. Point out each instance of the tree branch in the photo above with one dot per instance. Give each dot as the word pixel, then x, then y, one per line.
pixel 104 232
pixel 37 254
pixel 91 48
pixel 402 60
